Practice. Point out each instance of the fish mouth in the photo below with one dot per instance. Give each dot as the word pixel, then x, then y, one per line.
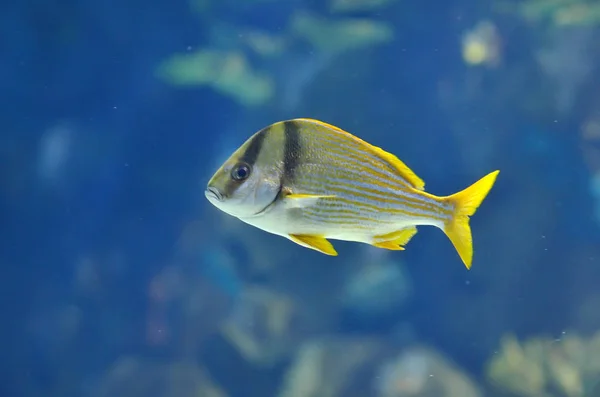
pixel 214 193
pixel 271 203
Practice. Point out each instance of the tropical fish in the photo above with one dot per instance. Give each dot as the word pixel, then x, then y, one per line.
pixel 309 181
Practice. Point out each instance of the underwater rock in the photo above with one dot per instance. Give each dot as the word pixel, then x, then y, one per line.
pixel 337 36
pixel 190 299
pixel 250 65
pixel 358 367
pixel 326 367
pixel 517 370
pixel 358 5
pixel 263 43
pixel 422 372
pixel 228 72
pixel 557 12
pixel 262 327
pixel 134 377
pixel 378 289
pixel 566 61
pixel 481 45
pixel 567 366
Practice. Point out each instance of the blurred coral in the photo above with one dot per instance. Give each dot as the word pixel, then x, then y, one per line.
pixel 227 72
pixel 568 366
pixel 422 372
pixel 481 44
pixel 358 5
pixel 557 12
pixel 262 326
pixel 379 288
pixel 354 367
pixel 228 63
pixel 329 367
pixel 138 377
pixel 339 35
pixel 137 287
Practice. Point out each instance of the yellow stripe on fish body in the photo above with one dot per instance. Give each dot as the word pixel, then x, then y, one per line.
pixel 337 163
pixel 333 185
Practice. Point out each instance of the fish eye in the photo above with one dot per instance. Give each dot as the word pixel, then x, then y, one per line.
pixel 240 172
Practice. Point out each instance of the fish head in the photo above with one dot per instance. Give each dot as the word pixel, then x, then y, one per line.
pixel 242 189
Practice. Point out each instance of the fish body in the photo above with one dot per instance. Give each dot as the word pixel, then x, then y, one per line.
pixel 311 182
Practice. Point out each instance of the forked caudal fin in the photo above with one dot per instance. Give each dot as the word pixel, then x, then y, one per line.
pixel 465 204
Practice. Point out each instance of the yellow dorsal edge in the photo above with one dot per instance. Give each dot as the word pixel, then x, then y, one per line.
pixel 394 161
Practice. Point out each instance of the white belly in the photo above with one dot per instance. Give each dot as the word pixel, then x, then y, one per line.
pixel 284 222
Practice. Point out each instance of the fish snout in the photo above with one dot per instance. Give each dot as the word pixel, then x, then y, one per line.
pixel 213 193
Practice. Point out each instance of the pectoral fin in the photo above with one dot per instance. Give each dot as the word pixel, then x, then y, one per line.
pixel 314 242
pixel 395 240
pixel 303 200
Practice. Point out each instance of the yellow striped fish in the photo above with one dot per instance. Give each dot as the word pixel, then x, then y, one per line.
pixel 309 181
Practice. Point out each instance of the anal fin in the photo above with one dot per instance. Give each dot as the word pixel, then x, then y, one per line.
pixel 317 243
pixel 395 240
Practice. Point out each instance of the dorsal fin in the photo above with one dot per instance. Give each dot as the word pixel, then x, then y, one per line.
pixel 389 158
pixel 402 168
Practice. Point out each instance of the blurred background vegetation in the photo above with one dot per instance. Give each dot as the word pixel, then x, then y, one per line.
pixel 120 279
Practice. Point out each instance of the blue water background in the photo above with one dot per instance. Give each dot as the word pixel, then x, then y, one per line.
pixel 104 165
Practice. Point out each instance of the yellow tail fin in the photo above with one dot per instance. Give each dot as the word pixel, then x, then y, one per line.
pixel 466 203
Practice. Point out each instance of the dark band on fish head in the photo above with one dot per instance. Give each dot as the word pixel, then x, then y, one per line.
pixel 292 150
pixel 254 147
pixel 248 158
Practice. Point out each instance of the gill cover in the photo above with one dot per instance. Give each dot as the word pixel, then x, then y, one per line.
pixel 248 181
